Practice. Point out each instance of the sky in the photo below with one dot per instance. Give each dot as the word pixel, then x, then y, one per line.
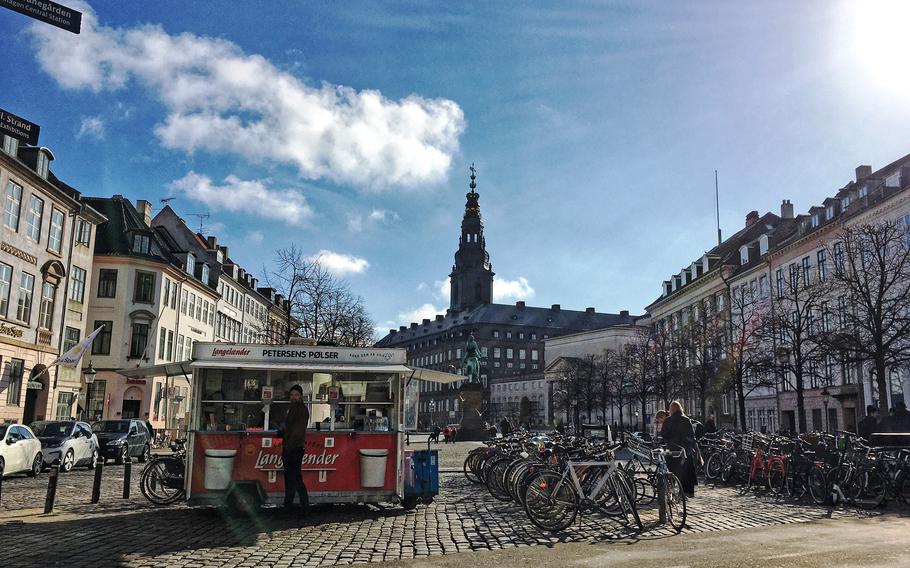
pixel 347 129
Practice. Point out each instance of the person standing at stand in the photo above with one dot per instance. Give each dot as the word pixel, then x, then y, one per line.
pixel 293 448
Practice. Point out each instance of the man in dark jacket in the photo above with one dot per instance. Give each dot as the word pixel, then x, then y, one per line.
pixel 293 448
pixel 868 425
pixel 899 421
pixel 678 432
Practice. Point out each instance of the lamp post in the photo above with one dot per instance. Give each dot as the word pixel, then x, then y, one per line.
pixel 826 396
pixel 88 375
pixel 432 407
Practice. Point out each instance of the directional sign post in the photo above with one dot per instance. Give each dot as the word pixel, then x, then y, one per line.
pixel 48 12
pixel 18 127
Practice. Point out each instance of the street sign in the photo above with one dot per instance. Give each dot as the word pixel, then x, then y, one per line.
pixel 47 12
pixel 18 127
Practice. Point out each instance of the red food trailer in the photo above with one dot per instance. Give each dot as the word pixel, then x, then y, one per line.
pixel 361 402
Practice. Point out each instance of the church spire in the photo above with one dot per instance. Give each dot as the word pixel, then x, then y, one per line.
pixel 471 280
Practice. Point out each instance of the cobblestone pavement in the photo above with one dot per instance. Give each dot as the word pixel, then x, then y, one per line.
pixel 462 518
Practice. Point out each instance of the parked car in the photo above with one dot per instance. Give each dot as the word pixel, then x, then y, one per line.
pixel 69 442
pixel 122 438
pixel 20 451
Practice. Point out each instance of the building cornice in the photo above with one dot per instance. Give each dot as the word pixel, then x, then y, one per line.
pixel 35 180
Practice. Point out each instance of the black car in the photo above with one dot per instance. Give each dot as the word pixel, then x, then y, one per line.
pixel 122 438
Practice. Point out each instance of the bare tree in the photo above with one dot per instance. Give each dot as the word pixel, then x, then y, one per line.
pixel 701 342
pixel 642 372
pixel 666 375
pixel 871 278
pixel 574 386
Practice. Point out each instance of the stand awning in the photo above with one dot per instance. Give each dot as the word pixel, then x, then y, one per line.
pixel 432 376
pixel 162 370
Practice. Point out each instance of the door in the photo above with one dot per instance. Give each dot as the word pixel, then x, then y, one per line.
pixel 85 442
pixel 134 439
pixel 130 409
pixel 789 417
pixel 16 453
pixel 31 401
pixel 850 419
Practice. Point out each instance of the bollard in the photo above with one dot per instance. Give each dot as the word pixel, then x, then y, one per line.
pixel 127 470
pixel 51 489
pixel 662 499
pixel 96 486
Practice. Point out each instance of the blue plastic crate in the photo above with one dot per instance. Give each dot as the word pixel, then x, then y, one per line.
pixel 421 475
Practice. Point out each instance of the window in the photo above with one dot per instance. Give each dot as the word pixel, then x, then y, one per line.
pixel 102 343
pixel 13 205
pixel 720 302
pixel 174 296
pixel 763 286
pixel 71 337
pixel 205 273
pixel 141 243
pixel 779 277
pixel 829 213
pixel 42 165
pixel 199 308
pixel 497 352
pixel 496 333
pixel 183 297
pixel 83 232
pixel 191 264
pixel 107 283
pixel 180 348
pixel 863 191
pixel 145 287
pixel 10 145
pixel 806 266
pixel 533 337
pixel 838 257
pixel 139 339
pixel 14 389
pixel 822 258
pixel 170 345
pixel 64 405
pixel 46 309
pixel 162 343
pixel 6 280
pixel 844 203
pixel 192 305
pixel 55 234
pixel 33 218
pixel 534 354
pixel 24 305
pixel 509 353
pixel 77 291
pixel 167 290
pixel 521 335
pixel 508 335
pixel 815 220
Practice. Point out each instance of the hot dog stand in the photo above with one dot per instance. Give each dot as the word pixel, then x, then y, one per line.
pixel 360 402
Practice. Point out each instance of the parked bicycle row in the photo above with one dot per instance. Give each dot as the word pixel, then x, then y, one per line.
pixel 555 478
pixel 826 468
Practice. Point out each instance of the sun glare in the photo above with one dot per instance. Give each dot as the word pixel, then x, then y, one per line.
pixel 880 41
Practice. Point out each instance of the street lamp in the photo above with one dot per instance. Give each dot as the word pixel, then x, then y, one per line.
pixel 88 375
pixel 826 396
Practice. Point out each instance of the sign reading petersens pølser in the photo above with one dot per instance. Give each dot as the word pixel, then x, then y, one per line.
pixel 18 127
pixel 302 354
pixel 48 12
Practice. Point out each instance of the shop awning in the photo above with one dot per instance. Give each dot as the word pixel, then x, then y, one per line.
pixel 326 367
pixel 435 376
pixel 163 370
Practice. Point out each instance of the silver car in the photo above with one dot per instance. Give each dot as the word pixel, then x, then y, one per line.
pixel 67 442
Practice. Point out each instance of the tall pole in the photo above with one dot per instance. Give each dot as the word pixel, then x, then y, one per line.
pixel 717 206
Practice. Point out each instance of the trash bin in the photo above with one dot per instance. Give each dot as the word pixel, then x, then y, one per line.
pixel 372 467
pixel 219 467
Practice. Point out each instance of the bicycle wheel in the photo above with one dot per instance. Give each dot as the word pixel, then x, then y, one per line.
pixel 470 465
pixel 495 479
pixel 728 471
pixel 625 496
pixel 776 477
pixel 714 465
pixel 676 503
pixel 817 484
pixel 551 502
pixel 868 489
pixel 162 481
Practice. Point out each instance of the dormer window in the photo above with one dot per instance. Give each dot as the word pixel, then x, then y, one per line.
pixel 42 165
pixel 829 213
pixel 191 263
pixel 10 145
pixel 814 220
pixel 844 203
pixel 141 243
pixel 744 254
pixel 219 256
pixel 205 273
pixel 763 245
pixel 863 191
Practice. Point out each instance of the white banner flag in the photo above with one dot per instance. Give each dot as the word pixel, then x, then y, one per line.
pixel 72 357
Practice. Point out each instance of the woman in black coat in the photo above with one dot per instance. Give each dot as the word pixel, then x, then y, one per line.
pixel 679 433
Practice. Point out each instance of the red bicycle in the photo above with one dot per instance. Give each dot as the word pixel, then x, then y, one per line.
pixel 769 464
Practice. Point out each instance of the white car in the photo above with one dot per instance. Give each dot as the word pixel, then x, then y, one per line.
pixel 67 442
pixel 20 450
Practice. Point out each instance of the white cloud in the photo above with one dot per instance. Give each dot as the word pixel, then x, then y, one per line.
pixel 358 222
pixel 340 264
pixel 255 237
pixel 220 99
pixel 506 290
pixel 418 314
pixel 92 127
pixel 247 196
pixel 443 290
pixel 422 287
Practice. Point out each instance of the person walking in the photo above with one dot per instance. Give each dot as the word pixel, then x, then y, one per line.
pixel 293 448
pixel 435 435
pixel 678 431
pixel 868 425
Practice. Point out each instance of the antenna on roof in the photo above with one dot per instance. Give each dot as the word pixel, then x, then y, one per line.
pixel 167 200
pixel 717 205
pixel 202 218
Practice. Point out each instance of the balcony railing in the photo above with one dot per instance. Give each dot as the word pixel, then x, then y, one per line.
pixel 45 337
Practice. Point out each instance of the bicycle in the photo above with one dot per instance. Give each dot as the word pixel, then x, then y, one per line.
pixel 163 478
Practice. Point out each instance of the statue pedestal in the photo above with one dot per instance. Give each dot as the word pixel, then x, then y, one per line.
pixel 471 428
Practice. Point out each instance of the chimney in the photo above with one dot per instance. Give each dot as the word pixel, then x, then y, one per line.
pixel 402 328
pixel 213 242
pixel 786 209
pixel 520 304
pixel 393 331
pixel 555 307
pixel 145 209
pixel 624 313
pixel 439 317
pixel 224 251
pixel 751 218
pixel 589 310
pixel 253 282
pixel 862 172
pixel 905 177
pixel 426 321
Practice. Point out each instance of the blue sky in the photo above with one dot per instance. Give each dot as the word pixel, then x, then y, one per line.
pixel 347 128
